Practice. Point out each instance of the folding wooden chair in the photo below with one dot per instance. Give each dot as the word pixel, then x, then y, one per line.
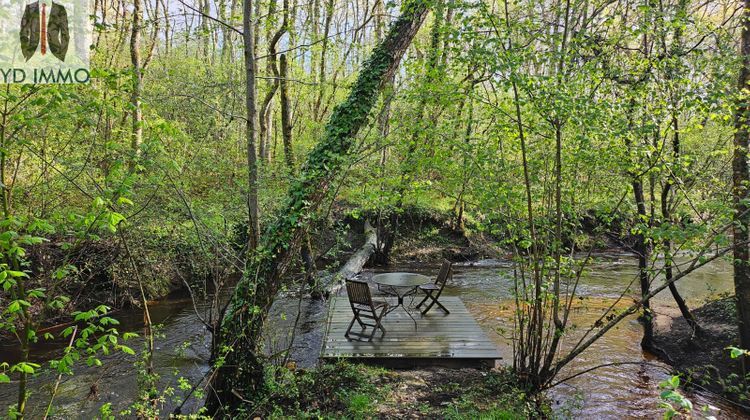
pixel 363 306
pixel 433 291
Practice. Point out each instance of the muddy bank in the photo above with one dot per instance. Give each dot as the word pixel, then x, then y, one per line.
pixel 701 356
pixel 429 236
pixel 102 271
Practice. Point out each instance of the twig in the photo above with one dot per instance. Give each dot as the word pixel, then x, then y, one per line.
pixel 59 375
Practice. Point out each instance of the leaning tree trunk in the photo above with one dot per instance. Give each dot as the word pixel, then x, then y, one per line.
pixel 240 374
pixel 740 179
pixel 667 216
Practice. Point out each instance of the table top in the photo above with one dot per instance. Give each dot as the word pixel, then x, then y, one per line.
pixel 400 279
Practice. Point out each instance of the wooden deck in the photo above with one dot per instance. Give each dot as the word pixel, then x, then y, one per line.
pixel 437 337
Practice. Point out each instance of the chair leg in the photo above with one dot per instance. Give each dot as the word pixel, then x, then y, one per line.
pixel 377 319
pixel 380 319
pixel 442 307
pixel 433 301
pixel 430 298
pixel 351 324
pixel 423 300
pixel 427 309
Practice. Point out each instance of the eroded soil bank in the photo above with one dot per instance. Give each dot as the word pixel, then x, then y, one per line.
pixel 702 356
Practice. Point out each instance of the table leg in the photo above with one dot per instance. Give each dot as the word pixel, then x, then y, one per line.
pixel 401 303
pixel 410 316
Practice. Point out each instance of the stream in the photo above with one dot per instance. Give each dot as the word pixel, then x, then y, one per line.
pixel 626 391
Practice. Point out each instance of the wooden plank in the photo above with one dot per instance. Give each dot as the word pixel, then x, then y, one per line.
pixel 394 336
pixel 411 348
pixel 437 335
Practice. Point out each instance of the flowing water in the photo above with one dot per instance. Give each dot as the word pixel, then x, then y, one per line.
pixel 624 391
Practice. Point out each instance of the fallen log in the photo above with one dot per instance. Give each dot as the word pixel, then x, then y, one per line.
pixel 358 260
pixel 331 284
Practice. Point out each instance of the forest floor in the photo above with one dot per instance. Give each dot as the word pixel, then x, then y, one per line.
pixel 462 393
pixel 348 390
pixel 702 356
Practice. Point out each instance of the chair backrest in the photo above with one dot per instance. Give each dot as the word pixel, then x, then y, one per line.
pixel 358 292
pixel 446 270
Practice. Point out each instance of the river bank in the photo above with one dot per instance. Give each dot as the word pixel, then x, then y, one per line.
pixel 701 356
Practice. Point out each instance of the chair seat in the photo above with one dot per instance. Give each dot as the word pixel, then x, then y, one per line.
pixel 376 304
pixel 429 287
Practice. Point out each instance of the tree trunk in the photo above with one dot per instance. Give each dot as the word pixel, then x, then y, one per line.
pixel 358 260
pixel 642 253
pixel 225 32
pixel 266 122
pixel 167 26
pixel 322 68
pixel 286 118
pixel 308 259
pixel 135 96
pixel 314 14
pixel 232 14
pixel 667 215
pixel 241 375
pixel 253 224
pixel 419 129
pixel 673 177
pixel 205 30
pixel 740 179
pixel 384 223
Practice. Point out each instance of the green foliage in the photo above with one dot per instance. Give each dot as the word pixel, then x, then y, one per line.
pixel 498 397
pixel 329 390
pixel 673 402
pixel 91 334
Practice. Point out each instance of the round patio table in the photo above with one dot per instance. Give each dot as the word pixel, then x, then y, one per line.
pixel 400 285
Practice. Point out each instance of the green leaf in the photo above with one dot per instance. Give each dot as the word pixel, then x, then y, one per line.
pixel 16 273
pixel 124 201
pixel 736 352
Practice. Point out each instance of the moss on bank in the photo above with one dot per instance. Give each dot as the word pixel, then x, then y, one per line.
pixel 345 390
